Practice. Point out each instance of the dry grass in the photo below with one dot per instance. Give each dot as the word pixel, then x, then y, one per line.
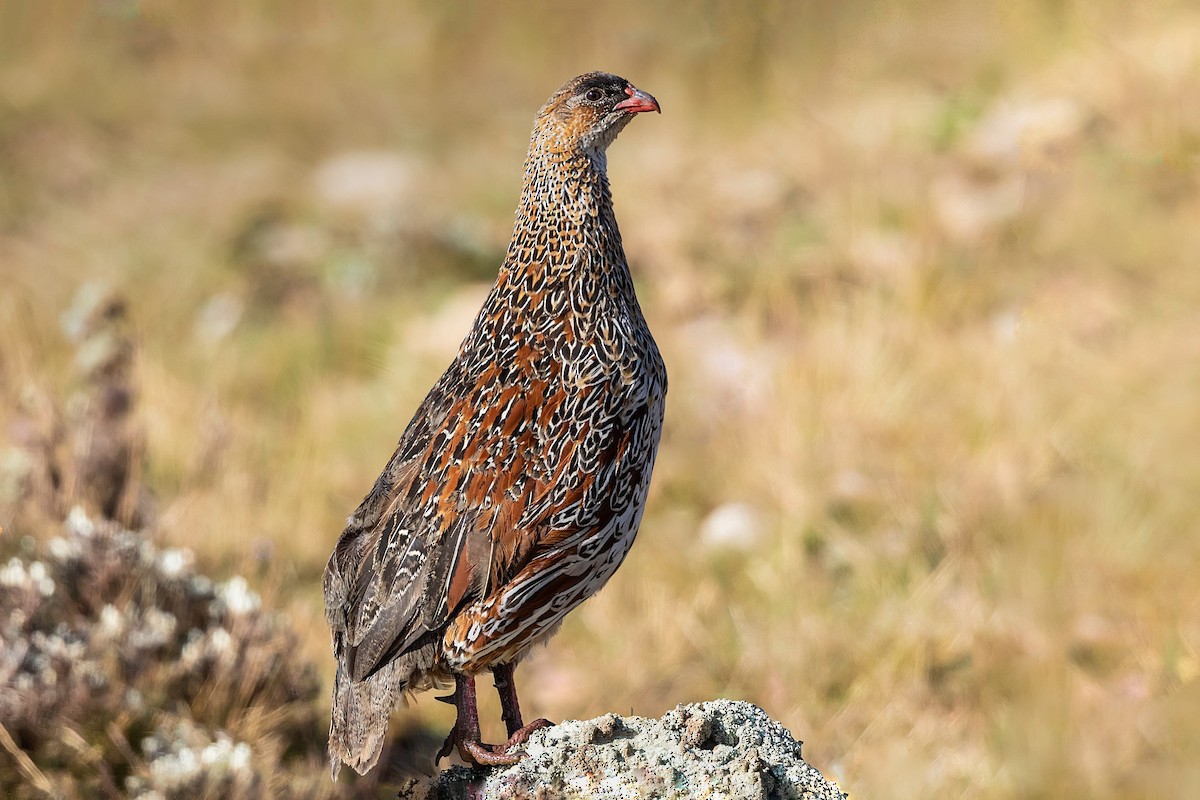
pixel 925 277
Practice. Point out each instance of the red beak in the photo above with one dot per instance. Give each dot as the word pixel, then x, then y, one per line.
pixel 638 101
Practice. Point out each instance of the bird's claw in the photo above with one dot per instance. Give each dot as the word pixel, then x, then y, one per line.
pixel 447 748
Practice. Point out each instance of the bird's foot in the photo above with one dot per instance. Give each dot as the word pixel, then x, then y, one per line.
pixel 465 736
pixel 477 753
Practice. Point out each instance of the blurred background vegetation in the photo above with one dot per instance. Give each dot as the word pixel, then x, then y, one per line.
pixel 926 277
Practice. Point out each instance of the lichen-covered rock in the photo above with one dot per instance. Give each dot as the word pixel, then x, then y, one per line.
pixel 710 751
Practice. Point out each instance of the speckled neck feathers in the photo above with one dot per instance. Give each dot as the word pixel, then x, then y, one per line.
pixel 566 234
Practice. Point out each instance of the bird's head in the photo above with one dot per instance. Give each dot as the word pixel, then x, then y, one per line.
pixel 586 113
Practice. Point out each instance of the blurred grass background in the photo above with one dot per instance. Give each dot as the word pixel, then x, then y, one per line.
pixel 925 276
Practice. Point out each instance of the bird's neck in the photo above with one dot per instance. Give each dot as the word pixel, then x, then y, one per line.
pixel 565 271
pixel 566 229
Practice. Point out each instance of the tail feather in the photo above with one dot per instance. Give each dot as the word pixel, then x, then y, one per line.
pixel 362 710
pixel 359 724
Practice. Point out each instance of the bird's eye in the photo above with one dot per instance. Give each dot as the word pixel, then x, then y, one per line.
pixel 593 95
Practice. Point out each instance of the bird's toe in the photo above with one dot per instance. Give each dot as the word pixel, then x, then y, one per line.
pixel 521 735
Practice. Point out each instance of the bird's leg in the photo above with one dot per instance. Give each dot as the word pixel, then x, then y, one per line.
pixel 465 733
pixel 510 709
pixel 506 687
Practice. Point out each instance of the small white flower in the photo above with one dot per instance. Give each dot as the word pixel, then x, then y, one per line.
pixel 239 759
pixel 39 577
pixel 155 631
pixel 13 573
pixel 174 561
pixel 63 549
pixel 111 621
pixel 213 753
pixel 189 765
pixel 79 523
pixel 222 642
pixel 237 596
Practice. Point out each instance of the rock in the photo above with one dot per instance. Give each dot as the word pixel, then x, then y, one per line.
pixel 710 751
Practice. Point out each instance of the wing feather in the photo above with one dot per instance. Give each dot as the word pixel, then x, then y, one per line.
pixel 422 543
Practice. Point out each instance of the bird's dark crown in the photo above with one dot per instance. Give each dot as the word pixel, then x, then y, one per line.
pixel 612 85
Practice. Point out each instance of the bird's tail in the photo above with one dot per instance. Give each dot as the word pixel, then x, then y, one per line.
pixel 362 710
pixel 359 724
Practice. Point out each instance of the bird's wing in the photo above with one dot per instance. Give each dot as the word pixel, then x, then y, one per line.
pixel 446 517
pixel 375 550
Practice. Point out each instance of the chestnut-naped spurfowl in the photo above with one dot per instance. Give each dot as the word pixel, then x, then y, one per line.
pixel 517 489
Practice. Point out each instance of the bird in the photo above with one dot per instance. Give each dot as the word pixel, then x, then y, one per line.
pixel 516 490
